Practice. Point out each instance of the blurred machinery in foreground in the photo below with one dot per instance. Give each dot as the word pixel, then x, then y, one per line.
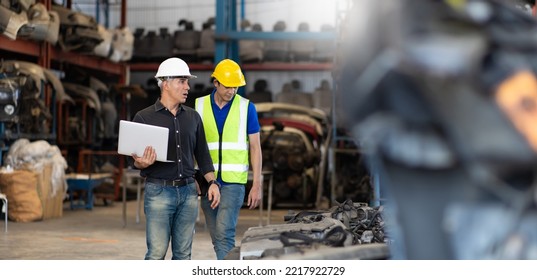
pixel 443 98
pixel 346 231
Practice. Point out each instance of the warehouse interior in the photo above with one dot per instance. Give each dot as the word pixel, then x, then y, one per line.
pixel 389 130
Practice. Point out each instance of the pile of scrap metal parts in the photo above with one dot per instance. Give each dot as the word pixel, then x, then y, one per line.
pixel 81 33
pixel 23 107
pixel 71 30
pixel 251 50
pixel 347 231
pixel 442 96
pixel 88 106
pixel 205 52
pixel 186 41
pixel 78 31
pixel 117 44
pixel 94 117
pixel 294 140
pixel 277 50
pixel 27 19
pixel 84 126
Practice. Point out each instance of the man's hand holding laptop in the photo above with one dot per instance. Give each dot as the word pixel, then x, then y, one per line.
pixel 149 157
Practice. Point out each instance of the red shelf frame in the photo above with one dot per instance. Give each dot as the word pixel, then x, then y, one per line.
pixel 88 61
pixel 20 46
pixel 36 49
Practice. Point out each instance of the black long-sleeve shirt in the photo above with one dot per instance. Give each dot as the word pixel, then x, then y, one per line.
pixel 186 142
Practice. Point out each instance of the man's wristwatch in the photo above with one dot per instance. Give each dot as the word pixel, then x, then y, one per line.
pixel 214 182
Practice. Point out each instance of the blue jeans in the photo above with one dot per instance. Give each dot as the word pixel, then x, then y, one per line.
pixel 222 221
pixel 170 212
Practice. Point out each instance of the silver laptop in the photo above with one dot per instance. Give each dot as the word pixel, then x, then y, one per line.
pixel 134 137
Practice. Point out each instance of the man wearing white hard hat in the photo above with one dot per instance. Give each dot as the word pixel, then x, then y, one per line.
pixel 171 195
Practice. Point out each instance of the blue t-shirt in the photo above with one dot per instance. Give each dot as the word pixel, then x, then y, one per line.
pixel 220 116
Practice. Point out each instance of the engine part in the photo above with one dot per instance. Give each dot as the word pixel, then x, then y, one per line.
pixel 122 44
pixel 104 48
pixel 42 25
pixel 33 115
pixel 10 95
pixel 78 32
pixel 291 138
pixel 11 22
pixel 310 233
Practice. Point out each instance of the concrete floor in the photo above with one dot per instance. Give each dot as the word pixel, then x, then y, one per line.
pixel 99 234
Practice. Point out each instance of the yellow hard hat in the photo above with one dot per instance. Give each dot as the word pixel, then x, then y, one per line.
pixel 229 73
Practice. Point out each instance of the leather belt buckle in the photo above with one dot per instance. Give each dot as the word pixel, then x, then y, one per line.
pixel 178 183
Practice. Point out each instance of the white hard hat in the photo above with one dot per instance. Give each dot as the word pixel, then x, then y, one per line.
pixel 174 67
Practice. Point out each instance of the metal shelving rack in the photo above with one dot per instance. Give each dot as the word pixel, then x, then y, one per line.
pixel 227 35
pixel 334 150
pixel 46 56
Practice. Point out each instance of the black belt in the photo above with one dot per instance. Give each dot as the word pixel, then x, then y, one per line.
pixel 175 183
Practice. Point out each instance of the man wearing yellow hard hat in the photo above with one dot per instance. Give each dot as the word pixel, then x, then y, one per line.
pixel 232 132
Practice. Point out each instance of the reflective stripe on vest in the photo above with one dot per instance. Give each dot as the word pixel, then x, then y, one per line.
pixel 234 141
